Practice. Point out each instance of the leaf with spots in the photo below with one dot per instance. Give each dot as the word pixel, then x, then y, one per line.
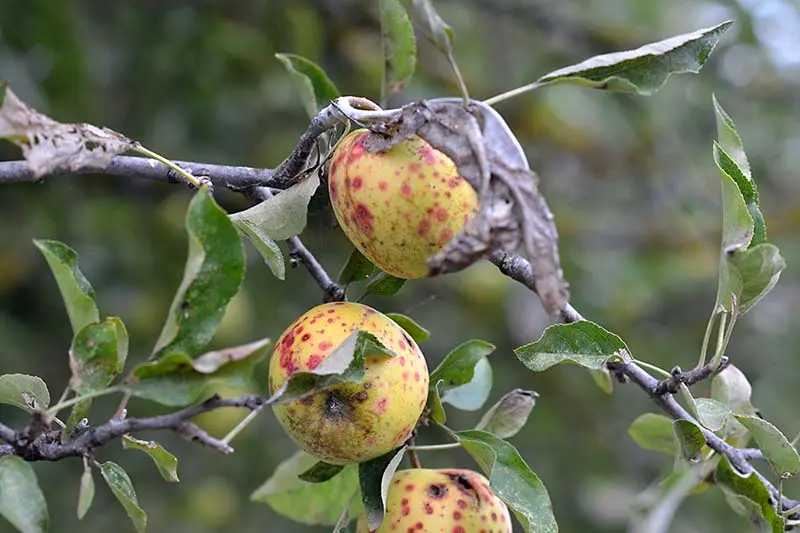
pixel 309 503
pixel 346 363
pixel 384 285
pixel 76 291
pixel 320 472
pixel 414 330
pixel 166 463
pixel 98 355
pixel 399 47
pixel 582 343
pixel 315 88
pixel 178 380
pixel 26 392
pixel 121 486
pixel 357 268
pixel 459 369
pixel 508 416
pixel 50 146
pixel 749 489
pixel 21 500
pixel 512 480
pixel 374 477
pixel 212 277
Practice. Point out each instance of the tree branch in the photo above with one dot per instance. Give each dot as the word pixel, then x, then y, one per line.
pixel 299 253
pixel 48 445
pixel 232 177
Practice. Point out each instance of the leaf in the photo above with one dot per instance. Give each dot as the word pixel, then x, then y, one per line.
pixel 670 494
pixel 97 355
pixel 357 268
pixel 752 273
pixel 507 417
pixel 711 413
pixel 344 364
pixel 282 216
pixel 399 47
pixel 214 272
pixel 85 492
pixel 21 500
pixel 166 463
pixel 778 451
pixel 603 379
pixel 644 70
pixel 751 488
pixel 434 405
pixel 120 484
pixel 269 250
pixel 653 432
pixel 735 163
pixel 732 388
pixel 472 395
pixel 512 480
pixel 583 343
pixel 177 380
pixel 414 330
pixel 315 88
pixel 384 285
pixel 320 472
pixel 437 30
pixel 26 392
pixel 374 477
pixel 308 503
pixel 458 366
pixel 76 291
pixel 79 412
pixel 690 439
pixel 51 146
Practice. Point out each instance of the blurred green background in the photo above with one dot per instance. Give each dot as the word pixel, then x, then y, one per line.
pixel 630 179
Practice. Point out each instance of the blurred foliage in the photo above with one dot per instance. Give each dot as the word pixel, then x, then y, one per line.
pixel 631 181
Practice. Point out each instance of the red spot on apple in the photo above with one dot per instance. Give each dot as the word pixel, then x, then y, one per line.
pixel 314 361
pixel 383 185
pixel 458 529
pixel 381 405
pixel 405 190
pixel 456 515
pixel 364 218
pixel 357 183
pixel 424 227
pixel 325 345
pixel 306 336
pixel 416 376
pixel 403 345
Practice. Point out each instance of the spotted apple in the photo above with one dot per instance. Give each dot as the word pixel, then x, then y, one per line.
pixel 350 422
pixel 441 501
pixel 400 206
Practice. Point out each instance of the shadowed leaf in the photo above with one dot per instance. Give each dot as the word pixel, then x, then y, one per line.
pixel 23 391
pixel 21 500
pixel 316 89
pixel 374 477
pixel 166 463
pixel 120 484
pixel 399 47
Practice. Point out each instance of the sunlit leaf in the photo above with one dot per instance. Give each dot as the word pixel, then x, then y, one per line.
pixel 24 391
pixel 414 330
pixel 212 277
pixel 583 343
pixel 21 500
pixel 166 463
pixel 76 290
pixel 374 477
pixel 752 489
pixel 121 486
pixel 316 89
pixel 399 47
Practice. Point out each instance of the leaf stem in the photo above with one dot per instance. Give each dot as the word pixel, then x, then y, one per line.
pixel 512 93
pixel 77 399
pixel 241 425
pixel 707 338
pixel 723 335
pixel 459 79
pixel 434 447
pixel 654 368
pixel 193 181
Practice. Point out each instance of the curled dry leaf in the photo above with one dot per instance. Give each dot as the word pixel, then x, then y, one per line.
pixel 50 146
pixel 513 212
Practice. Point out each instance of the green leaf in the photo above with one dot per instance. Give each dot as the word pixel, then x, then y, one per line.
pixel 434 405
pixel 98 355
pixel 284 215
pixel 603 379
pixel 458 366
pixel 120 484
pixel 214 272
pixel 76 291
pixel 79 411
pixel 436 29
pixel 357 268
pixel 316 89
pixel 583 343
pixel 751 274
pixel 472 395
pixel 399 47
pixel 752 489
pixel 653 432
pixel 320 472
pixel 384 285
pixel 344 364
pixel 711 413
pixel 268 248
pixel 644 70
pixel 512 480
pixel 308 503
pixel 374 477
pixel 507 417
pixel 732 388
pixel 178 380
pixel 85 492
pixel 24 391
pixel 414 330
pixel 778 451
pixel 166 463
pixel 690 439
pixel 21 500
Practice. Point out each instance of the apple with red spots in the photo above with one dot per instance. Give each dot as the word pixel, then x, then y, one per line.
pixel 350 422
pixel 400 206
pixel 441 501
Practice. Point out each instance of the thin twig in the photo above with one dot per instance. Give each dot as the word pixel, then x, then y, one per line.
pixel 672 384
pixel 298 251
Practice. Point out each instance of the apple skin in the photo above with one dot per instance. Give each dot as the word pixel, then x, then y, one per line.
pixel 441 501
pixel 401 206
pixel 350 422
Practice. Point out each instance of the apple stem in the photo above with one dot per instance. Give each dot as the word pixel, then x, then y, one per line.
pixel 433 447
